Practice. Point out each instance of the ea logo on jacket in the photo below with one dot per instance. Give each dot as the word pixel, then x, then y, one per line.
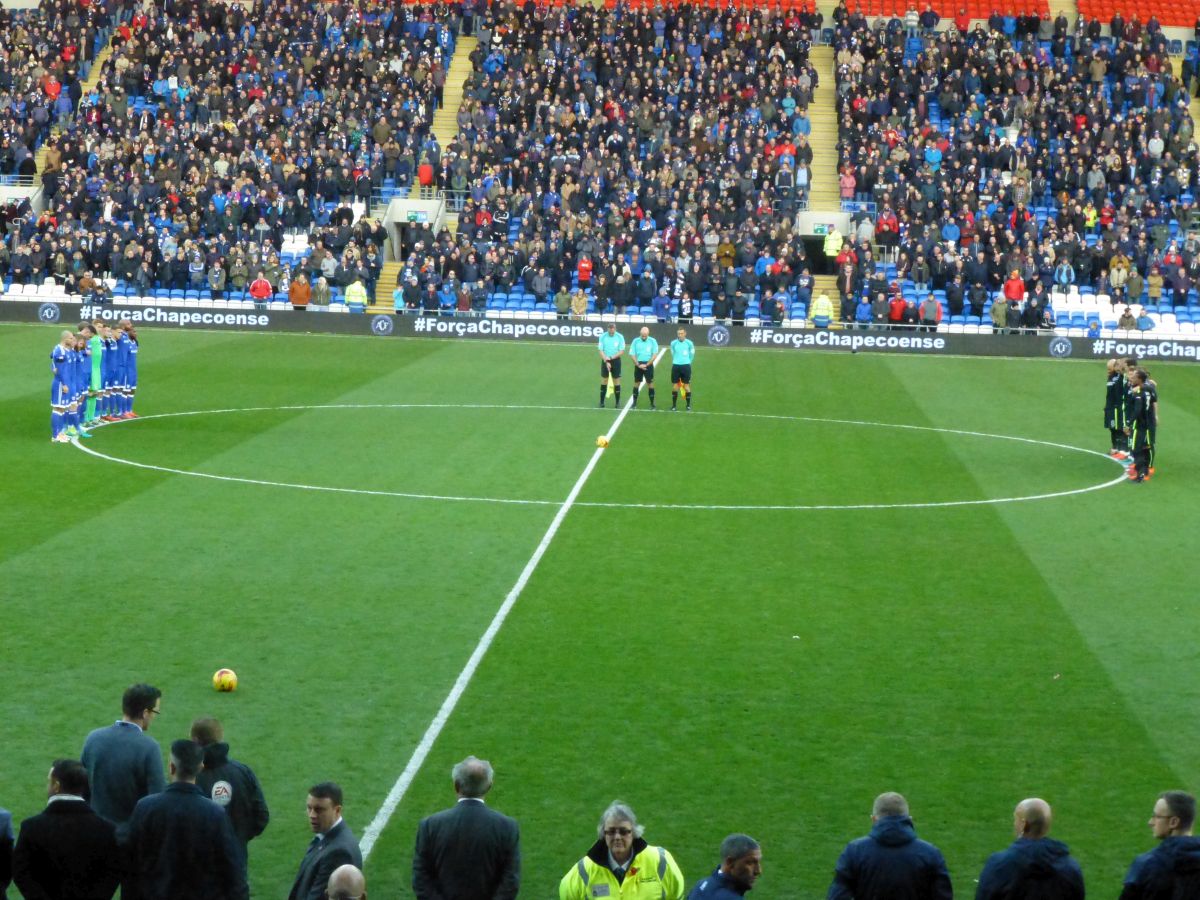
pixel 222 793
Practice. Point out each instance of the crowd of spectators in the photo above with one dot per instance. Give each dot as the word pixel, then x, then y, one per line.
pixel 44 54
pixel 648 158
pixel 1017 160
pixel 216 130
pixel 607 159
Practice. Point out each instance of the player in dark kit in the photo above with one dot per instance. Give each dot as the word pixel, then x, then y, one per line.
pixel 1114 409
pixel 1141 413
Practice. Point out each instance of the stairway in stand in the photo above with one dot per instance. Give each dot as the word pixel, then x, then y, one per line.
pixel 445 128
pixel 88 84
pixel 823 196
pixel 445 119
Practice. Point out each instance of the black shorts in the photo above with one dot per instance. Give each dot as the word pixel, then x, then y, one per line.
pixel 640 374
pixel 681 373
pixel 615 371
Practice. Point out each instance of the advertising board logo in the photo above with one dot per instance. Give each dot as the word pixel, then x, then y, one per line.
pixel 382 325
pixel 48 313
pixel 1060 347
pixel 719 336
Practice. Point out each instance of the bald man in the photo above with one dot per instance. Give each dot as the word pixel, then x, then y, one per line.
pixel 346 883
pixel 1035 865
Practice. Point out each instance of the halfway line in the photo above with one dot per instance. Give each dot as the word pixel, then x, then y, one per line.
pixel 400 788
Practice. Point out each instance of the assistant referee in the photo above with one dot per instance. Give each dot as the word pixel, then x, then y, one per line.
pixel 683 352
pixel 612 347
pixel 643 349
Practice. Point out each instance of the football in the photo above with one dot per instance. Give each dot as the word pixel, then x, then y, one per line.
pixel 602 441
pixel 225 680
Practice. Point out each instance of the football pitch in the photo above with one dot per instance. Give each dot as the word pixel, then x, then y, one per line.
pixel 842 574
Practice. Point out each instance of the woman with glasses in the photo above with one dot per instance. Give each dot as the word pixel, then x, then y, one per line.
pixel 622 865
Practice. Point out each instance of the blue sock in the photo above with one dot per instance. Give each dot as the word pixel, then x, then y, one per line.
pixel 56 423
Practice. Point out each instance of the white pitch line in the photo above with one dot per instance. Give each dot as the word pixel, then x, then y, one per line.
pixel 400 788
pixel 519 501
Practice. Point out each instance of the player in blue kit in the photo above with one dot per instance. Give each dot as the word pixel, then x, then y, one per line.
pixel 643 349
pixel 75 361
pixel 61 387
pixel 612 347
pixel 129 340
pixel 83 374
pixel 683 352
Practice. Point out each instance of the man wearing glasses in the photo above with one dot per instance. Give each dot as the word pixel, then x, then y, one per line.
pixel 1172 869
pixel 622 865
pixel 124 764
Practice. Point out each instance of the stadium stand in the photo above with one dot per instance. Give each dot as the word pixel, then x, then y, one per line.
pixel 601 144
pixel 221 141
pixel 1069 159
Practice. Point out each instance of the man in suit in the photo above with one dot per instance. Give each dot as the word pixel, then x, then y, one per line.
pixel 124 764
pixel 333 844
pixel 468 852
pixel 67 852
pixel 180 844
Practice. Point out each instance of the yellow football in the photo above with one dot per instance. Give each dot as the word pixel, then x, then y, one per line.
pixel 602 441
pixel 225 680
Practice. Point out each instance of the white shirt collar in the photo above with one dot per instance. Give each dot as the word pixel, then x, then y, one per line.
pixel 331 827
pixel 64 797
pixel 472 799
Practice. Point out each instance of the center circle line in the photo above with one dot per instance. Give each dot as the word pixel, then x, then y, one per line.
pixel 599 504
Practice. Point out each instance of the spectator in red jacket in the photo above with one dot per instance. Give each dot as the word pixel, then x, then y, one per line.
pixel 261 290
pixel 1014 287
pixel 895 310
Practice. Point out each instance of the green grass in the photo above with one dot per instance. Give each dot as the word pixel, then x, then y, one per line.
pixel 759 670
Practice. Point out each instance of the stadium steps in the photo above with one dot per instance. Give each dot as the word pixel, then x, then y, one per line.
pixel 88 84
pixel 826 284
pixel 445 119
pixel 384 287
pixel 1068 8
pixel 823 194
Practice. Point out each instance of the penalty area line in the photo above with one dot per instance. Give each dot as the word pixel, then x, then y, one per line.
pixel 423 749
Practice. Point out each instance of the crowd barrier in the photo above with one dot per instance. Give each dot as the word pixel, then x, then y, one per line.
pixel 713 336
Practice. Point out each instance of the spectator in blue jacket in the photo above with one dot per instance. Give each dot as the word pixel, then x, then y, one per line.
pixel 1035 865
pixel 180 843
pixel 741 864
pixel 1172 869
pixel 862 314
pixel 891 863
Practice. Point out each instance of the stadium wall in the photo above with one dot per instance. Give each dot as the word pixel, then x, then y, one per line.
pixel 717 337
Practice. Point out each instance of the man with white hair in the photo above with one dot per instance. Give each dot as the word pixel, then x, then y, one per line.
pixel 468 852
pixel 622 865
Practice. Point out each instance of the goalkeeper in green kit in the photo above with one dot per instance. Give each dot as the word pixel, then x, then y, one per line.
pixel 95 385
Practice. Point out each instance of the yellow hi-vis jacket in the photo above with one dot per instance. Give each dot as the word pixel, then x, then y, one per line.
pixel 356 293
pixel 833 243
pixel 652 875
